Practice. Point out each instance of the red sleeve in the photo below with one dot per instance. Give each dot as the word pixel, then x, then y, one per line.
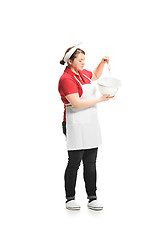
pixel 68 86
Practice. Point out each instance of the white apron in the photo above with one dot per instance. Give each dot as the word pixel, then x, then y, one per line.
pixel 82 126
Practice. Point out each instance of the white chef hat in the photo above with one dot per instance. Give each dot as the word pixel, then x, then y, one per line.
pixel 70 52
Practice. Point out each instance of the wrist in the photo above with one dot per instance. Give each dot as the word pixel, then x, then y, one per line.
pixel 99 99
pixel 103 62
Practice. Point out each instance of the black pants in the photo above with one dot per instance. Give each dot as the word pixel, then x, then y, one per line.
pixel 88 156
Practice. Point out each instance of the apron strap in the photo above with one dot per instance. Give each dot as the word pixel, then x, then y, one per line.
pixel 78 80
pixel 83 75
pixel 87 77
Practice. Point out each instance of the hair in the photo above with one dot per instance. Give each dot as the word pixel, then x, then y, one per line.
pixel 73 56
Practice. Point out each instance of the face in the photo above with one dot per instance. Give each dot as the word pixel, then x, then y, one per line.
pixel 78 63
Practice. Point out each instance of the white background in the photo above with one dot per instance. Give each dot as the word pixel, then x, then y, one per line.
pixel 33 156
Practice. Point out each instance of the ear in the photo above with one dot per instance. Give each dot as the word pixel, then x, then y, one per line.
pixel 70 61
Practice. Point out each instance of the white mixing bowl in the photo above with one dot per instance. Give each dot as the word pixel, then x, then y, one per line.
pixel 108 85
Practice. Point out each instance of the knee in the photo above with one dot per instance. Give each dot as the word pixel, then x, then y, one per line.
pixel 91 166
pixel 73 164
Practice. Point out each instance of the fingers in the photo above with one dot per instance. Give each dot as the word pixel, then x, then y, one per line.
pixel 105 59
pixel 111 97
pixel 107 95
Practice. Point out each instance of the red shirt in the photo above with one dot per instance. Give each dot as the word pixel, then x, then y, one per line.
pixel 68 84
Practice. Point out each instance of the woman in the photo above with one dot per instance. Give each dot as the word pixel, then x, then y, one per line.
pixel 80 123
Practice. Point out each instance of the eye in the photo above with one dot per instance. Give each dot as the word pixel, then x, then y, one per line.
pixel 82 60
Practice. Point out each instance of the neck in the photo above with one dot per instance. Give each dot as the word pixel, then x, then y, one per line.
pixel 74 70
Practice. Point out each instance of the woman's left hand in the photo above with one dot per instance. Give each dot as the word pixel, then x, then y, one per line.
pixel 105 60
pixel 99 69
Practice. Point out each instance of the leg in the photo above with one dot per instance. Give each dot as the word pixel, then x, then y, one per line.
pixel 74 160
pixel 90 174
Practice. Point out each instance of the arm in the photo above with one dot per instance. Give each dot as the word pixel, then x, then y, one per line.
pixel 99 69
pixel 78 103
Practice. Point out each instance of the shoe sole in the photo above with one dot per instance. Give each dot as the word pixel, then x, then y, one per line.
pixel 74 209
pixel 96 209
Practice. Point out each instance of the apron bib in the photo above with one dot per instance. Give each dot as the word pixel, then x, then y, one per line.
pixel 82 125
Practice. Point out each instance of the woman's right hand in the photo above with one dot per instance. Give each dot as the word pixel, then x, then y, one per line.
pixel 105 97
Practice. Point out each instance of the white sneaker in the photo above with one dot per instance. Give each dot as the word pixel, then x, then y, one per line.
pixel 95 205
pixel 72 205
